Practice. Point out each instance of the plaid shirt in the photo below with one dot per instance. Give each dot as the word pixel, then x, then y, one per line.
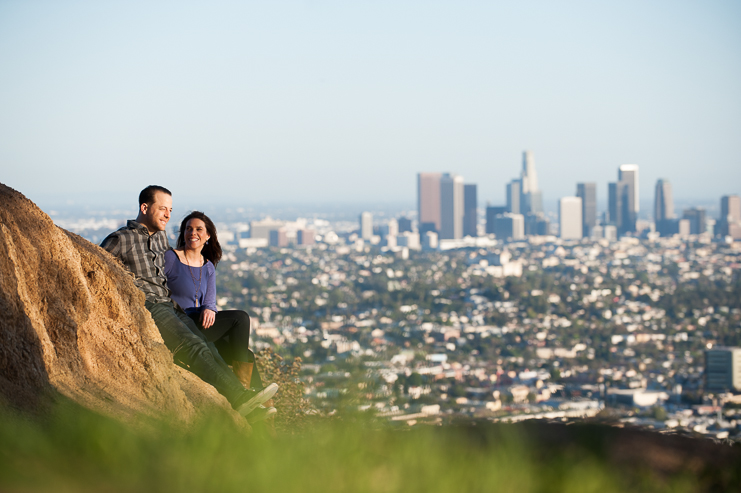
pixel 143 255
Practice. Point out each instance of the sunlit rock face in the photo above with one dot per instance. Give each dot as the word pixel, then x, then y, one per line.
pixel 73 323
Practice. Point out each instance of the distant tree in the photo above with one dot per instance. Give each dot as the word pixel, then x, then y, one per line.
pixel 658 413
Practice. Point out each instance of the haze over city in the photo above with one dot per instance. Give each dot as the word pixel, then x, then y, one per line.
pixel 324 102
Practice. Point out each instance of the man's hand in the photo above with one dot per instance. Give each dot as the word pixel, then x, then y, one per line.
pixel 207 318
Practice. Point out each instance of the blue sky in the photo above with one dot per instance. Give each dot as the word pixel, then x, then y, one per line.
pixel 313 101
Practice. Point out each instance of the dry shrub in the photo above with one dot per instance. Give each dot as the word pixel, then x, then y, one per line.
pixel 290 402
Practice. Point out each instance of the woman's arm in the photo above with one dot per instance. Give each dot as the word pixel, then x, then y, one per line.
pixel 208 314
pixel 209 297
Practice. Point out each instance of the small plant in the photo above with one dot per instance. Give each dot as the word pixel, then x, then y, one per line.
pixel 290 402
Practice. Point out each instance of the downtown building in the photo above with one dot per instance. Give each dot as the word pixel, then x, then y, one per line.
pixel 723 369
pixel 366 225
pixel 666 224
pixel 446 206
pixel 570 218
pixel 729 223
pixel 623 200
pixel 523 195
pixel 587 192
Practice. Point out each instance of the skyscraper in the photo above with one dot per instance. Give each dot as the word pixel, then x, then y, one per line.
pixel 569 218
pixel 696 217
pixel 509 226
pixel 723 368
pixel 405 225
pixel 730 208
pixel 587 192
pixel 666 224
pixel 531 198
pixel 366 225
pixel 514 192
pixel 614 203
pixel 491 213
pixel 470 206
pixel 628 177
pixel 428 201
pixel 663 201
pixel 729 223
pixel 451 207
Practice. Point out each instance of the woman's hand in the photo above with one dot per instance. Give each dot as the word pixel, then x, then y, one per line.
pixel 207 318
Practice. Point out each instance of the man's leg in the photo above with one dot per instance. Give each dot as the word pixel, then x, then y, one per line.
pixel 182 338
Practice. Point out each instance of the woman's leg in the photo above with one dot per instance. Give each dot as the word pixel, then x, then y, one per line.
pixel 230 333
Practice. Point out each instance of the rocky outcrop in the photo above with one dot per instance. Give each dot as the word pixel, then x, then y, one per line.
pixel 73 323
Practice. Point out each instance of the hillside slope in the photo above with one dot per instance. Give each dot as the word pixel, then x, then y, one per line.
pixel 73 323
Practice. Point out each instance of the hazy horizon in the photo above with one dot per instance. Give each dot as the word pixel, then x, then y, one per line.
pixel 336 103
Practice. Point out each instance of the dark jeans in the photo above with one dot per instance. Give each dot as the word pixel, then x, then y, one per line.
pixel 230 333
pixel 190 348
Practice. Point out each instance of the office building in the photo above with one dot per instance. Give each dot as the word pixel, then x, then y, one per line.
pixel 366 225
pixel 587 192
pixel 509 227
pixel 470 211
pixel 729 223
pixel 536 224
pixel 261 229
pixel 531 199
pixel 391 228
pixel 279 237
pixel 408 239
pixel 405 224
pixel 730 208
pixel 429 240
pixel 666 223
pixel 451 207
pixel 305 237
pixel 514 191
pixel 491 213
pixel 663 201
pixel 614 204
pixel 723 369
pixel 428 201
pixel 609 232
pixel 628 177
pixel 696 218
pixel 569 218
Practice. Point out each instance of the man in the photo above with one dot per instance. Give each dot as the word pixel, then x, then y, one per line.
pixel 141 246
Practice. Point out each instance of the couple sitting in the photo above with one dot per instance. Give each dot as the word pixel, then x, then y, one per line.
pixel 179 286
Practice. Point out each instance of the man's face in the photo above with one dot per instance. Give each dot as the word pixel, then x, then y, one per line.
pixel 157 214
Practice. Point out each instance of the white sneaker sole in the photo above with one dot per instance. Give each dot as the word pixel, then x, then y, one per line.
pixel 264 395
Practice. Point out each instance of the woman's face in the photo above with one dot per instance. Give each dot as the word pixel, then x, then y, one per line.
pixel 195 234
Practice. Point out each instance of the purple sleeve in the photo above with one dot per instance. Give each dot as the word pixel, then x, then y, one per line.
pixel 209 299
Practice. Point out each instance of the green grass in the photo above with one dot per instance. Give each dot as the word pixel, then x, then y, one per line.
pixel 75 450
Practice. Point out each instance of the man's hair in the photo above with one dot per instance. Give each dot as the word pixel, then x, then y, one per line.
pixel 147 195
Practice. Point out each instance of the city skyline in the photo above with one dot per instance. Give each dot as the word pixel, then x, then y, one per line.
pixel 324 101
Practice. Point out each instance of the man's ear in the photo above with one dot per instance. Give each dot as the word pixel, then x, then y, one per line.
pixel 143 208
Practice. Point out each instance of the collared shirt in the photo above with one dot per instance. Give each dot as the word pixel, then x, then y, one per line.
pixel 143 255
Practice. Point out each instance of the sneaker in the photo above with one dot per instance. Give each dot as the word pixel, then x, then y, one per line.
pixel 253 398
pixel 260 414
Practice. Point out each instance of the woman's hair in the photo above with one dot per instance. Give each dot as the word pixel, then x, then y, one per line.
pixel 211 250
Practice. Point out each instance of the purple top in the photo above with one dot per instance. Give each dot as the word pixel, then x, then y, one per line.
pixel 183 281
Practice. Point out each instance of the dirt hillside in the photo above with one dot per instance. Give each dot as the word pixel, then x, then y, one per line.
pixel 73 323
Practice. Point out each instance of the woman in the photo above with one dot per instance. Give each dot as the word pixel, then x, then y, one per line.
pixel 191 276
